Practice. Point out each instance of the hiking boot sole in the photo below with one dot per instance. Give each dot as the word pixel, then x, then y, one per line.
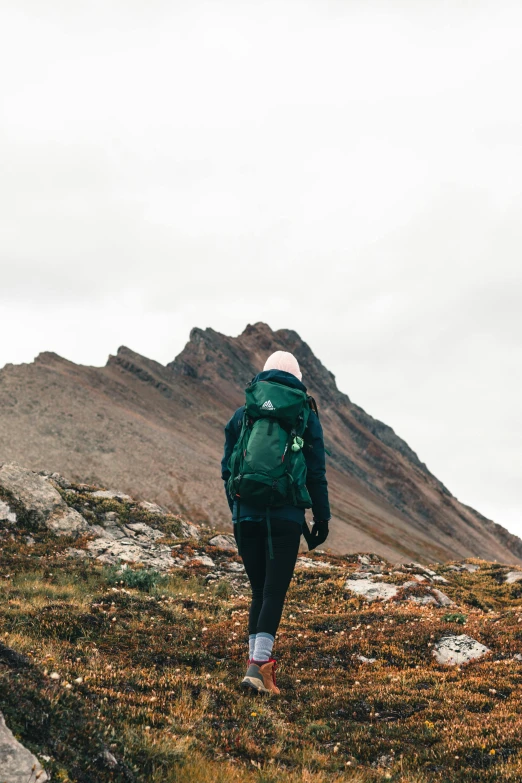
pixel 254 684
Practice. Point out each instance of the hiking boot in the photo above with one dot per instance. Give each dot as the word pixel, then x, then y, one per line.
pixel 260 677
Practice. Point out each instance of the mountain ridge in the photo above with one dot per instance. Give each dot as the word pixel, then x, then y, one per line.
pixel 156 431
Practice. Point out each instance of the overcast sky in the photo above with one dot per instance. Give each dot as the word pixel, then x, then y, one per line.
pixel 349 170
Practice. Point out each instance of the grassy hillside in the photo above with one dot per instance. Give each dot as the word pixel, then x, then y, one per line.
pixel 133 676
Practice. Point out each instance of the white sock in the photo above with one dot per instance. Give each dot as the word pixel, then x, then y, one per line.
pixel 263 646
pixel 251 645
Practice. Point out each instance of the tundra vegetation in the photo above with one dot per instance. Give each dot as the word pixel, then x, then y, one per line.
pixel 128 674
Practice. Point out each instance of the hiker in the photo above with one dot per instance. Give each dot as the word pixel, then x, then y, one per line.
pixel 273 468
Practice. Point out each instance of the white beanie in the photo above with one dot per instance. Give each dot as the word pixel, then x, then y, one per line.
pixel 282 360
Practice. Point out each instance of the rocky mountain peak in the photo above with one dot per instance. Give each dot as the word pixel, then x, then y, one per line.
pixel 210 356
pixel 48 357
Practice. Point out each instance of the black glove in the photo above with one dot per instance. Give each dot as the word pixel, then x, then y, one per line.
pixel 318 535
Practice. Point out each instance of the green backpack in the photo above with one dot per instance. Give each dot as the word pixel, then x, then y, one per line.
pixel 267 466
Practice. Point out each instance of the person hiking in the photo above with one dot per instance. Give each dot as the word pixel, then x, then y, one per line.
pixel 273 467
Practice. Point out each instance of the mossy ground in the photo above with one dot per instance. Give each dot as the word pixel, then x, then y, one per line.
pixel 152 678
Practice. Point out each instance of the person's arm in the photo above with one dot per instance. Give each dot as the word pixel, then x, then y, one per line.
pixel 232 429
pixel 316 482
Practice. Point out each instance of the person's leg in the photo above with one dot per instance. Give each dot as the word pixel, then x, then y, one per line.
pixel 285 540
pixel 253 556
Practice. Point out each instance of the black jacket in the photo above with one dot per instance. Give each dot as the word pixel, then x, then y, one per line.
pixel 313 451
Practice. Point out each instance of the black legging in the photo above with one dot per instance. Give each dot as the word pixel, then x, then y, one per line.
pixel 268 577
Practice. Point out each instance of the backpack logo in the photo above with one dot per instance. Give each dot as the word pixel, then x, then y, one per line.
pixel 268 406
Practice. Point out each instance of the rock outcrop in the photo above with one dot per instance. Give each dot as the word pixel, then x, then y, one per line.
pixel 17 764
pixel 38 501
pixel 457 650
pixel 371 591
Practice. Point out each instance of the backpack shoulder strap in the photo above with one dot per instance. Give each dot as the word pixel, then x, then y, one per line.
pixel 313 405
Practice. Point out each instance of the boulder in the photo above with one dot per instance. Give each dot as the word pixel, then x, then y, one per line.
pixel 513 576
pixel 17 764
pixel 6 515
pixel 226 542
pixel 40 501
pixel 456 650
pixel 442 598
pixel 371 591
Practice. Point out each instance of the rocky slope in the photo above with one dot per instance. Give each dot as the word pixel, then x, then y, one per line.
pixel 112 670
pixel 156 432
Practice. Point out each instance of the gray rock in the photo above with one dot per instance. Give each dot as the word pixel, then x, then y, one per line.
pixel 228 542
pixel 60 480
pixel 442 598
pixel 471 567
pixel 456 650
pixel 423 600
pixel 440 579
pixel 203 560
pixel 113 552
pixel 153 508
pixel 188 531
pixel 432 596
pixel 145 530
pixel 17 764
pixel 78 553
pixel 513 576
pixel 423 569
pixel 67 523
pixel 233 566
pixel 371 591
pixel 364 659
pixel 307 562
pixel 108 494
pixel 98 530
pixel 112 531
pixel 42 503
pixel 6 515
pixel 110 760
